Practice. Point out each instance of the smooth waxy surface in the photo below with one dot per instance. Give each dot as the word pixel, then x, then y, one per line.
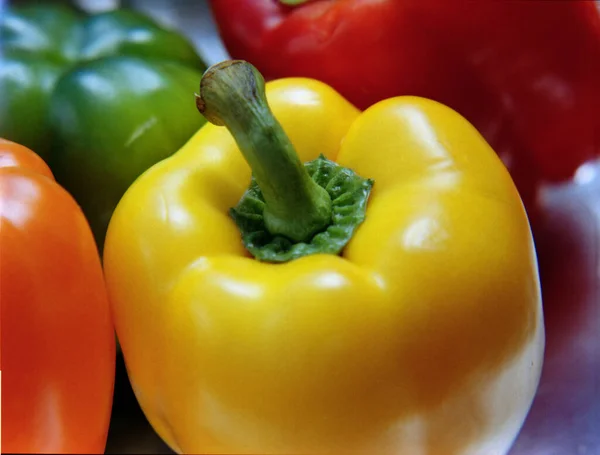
pixel 425 335
pixel 58 345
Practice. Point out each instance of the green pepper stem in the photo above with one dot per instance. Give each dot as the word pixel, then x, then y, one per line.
pixel 292 2
pixel 232 94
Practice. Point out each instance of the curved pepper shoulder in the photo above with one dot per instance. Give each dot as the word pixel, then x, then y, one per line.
pixel 431 316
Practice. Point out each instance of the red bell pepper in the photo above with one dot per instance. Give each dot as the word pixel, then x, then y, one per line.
pixel 524 73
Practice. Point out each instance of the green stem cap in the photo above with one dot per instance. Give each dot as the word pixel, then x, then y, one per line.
pixel 290 209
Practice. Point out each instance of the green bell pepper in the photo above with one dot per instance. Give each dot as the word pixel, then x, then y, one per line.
pixel 100 97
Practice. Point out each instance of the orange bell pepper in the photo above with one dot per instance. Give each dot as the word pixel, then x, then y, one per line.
pixel 57 339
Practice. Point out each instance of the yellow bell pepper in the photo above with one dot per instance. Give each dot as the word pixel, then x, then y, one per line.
pixel 423 335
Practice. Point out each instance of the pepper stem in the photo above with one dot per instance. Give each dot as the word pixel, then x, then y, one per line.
pixel 292 2
pixel 232 94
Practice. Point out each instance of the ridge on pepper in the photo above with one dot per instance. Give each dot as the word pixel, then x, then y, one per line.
pixel 429 315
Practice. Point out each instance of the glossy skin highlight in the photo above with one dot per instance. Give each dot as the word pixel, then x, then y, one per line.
pixel 426 334
pixel 58 346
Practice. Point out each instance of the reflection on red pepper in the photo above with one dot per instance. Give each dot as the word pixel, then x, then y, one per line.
pixel 524 73
pixel 543 59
